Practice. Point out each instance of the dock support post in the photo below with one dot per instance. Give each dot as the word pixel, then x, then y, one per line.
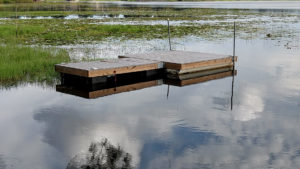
pixel 169 34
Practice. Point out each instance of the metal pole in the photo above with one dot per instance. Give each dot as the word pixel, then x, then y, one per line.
pixel 170 50
pixel 16 12
pixel 233 69
pixel 169 34
pixel 234 29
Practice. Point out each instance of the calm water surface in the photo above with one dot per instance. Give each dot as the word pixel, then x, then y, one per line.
pixel 41 128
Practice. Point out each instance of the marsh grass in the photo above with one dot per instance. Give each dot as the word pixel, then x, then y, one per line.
pixel 61 32
pixel 28 64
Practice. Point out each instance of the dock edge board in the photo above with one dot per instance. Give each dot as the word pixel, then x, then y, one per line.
pixel 208 63
pixel 107 71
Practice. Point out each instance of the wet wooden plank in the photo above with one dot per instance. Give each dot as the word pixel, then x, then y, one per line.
pixel 108 67
pixel 200 69
pixel 181 60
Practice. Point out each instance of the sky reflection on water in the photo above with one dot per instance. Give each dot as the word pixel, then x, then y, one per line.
pixel 41 128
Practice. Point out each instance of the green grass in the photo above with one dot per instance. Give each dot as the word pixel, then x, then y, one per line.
pixel 58 31
pixel 27 64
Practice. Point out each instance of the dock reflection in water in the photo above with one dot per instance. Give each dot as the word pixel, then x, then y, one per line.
pixel 92 88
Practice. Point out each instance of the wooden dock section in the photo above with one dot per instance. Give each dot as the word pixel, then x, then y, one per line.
pixel 108 67
pixel 174 62
pixel 200 79
pixel 180 62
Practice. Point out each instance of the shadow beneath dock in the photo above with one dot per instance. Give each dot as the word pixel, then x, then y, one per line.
pixel 108 85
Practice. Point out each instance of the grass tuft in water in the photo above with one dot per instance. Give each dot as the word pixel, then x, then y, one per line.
pixel 27 64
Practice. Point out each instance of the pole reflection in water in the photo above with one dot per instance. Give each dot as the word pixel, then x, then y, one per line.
pixel 168 91
pixel 232 88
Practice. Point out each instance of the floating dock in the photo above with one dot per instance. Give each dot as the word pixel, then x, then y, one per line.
pixel 181 62
pixel 138 81
pixel 172 62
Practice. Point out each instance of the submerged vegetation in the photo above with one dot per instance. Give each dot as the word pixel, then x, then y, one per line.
pixel 27 64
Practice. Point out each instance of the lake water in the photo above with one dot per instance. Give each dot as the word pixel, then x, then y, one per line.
pixel 193 127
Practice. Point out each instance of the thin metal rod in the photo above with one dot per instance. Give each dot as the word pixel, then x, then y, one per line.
pixel 234 30
pixel 16 12
pixel 169 34
pixel 233 70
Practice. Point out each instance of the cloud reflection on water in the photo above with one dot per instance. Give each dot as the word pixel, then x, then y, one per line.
pixel 194 127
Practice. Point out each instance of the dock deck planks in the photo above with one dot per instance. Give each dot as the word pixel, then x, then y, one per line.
pixel 108 67
pixel 185 61
pixel 175 62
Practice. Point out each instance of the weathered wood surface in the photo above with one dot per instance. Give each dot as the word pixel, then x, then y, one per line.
pixel 176 62
pixel 188 76
pixel 108 67
pixel 180 60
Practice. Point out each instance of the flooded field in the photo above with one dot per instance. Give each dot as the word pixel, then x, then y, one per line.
pixel 247 121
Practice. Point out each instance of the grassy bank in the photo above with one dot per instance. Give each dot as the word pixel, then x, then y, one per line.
pixel 26 64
